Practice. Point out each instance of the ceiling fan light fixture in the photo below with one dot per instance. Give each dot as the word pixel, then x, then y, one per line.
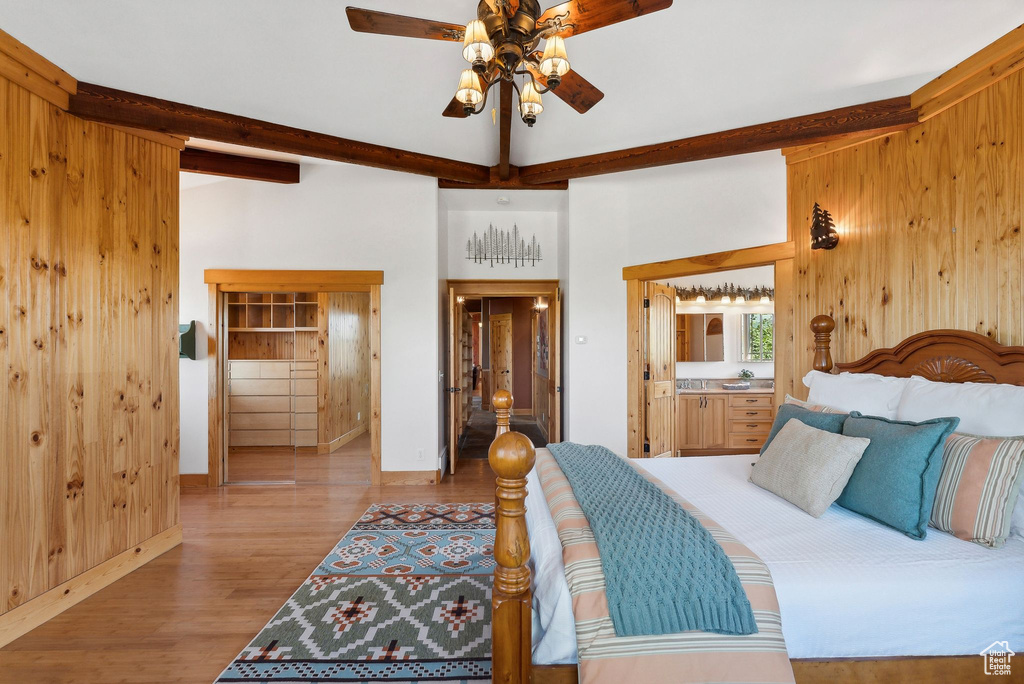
pixel 469 92
pixel 477 48
pixel 554 63
pixel 530 104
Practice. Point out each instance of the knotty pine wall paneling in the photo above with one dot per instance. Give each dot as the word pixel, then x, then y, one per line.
pixel 930 231
pixel 88 341
pixel 343 378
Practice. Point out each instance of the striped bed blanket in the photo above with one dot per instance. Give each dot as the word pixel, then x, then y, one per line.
pixel 693 656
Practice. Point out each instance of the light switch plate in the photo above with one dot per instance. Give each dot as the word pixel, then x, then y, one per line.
pixel 581 339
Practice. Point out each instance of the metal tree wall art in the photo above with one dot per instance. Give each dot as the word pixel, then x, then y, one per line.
pixel 501 247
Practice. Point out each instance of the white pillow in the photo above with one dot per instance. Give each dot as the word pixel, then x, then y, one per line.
pixel 983 409
pixel 872 395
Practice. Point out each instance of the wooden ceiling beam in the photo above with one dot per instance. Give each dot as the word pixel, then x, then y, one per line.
pixel 495 183
pixel 878 117
pixel 117 107
pixel 992 63
pixel 213 163
pixel 505 133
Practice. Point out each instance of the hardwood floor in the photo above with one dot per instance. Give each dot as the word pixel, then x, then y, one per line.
pixel 349 465
pixel 184 616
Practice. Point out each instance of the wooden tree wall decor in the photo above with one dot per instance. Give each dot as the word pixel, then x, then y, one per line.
pixel 823 230
pixel 503 247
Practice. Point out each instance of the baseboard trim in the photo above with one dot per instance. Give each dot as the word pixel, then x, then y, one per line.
pixel 188 480
pixel 26 617
pixel 337 443
pixel 410 477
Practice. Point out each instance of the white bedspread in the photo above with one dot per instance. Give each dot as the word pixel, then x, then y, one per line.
pixel 847 586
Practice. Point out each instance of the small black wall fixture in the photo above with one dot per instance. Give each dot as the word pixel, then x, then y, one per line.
pixel 187 340
pixel 823 230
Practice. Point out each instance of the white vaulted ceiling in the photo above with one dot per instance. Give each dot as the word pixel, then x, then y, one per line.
pixel 697 67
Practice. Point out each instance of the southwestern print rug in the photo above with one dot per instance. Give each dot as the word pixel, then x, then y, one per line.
pixel 405 596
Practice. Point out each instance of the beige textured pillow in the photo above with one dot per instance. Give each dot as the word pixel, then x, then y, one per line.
pixel 808 467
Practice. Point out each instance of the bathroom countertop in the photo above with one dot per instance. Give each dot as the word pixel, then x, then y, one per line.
pixel 719 390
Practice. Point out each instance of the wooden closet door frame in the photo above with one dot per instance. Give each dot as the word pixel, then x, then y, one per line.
pixel 780 255
pixel 222 281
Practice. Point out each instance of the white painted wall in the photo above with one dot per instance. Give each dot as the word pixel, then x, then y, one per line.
pixel 639 217
pixel 442 332
pixel 463 224
pixel 339 217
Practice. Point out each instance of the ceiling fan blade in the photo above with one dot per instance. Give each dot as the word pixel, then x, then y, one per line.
pixel 578 16
pixel 454 110
pixel 371 21
pixel 574 90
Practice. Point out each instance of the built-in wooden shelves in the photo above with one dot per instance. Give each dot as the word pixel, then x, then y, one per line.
pixel 272 312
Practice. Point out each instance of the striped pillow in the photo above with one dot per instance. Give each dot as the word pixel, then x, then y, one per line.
pixel 978 487
pixel 817 408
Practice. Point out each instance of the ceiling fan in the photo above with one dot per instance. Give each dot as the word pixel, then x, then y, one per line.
pixel 501 43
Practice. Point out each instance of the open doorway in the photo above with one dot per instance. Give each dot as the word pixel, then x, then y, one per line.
pixel 502 336
pixel 707 335
pixel 295 377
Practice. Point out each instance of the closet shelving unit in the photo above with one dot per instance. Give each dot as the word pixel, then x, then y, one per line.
pixel 272 368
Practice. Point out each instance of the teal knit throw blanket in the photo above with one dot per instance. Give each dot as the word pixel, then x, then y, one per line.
pixel 664 572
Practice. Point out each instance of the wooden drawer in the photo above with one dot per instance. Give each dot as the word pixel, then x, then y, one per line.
pixel 260 404
pixel 304 388
pixel 743 441
pixel 759 400
pixel 260 421
pixel 305 421
pixel 305 438
pixel 274 369
pixel 751 413
pixel 304 404
pixel 304 365
pixel 243 369
pixel 259 437
pixel 304 374
pixel 264 387
pixel 747 426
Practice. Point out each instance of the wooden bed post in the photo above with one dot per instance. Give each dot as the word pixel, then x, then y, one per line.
pixel 502 402
pixel 822 326
pixel 511 457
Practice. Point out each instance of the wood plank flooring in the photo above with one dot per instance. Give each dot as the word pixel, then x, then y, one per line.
pixel 349 465
pixel 184 616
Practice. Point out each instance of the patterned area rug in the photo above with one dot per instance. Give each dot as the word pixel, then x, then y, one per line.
pixel 405 596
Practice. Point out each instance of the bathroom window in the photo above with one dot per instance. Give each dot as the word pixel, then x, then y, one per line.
pixel 758 337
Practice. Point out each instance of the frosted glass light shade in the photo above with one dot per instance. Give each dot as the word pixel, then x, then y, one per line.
pixel 477 45
pixel 469 91
pixel 529 101
pixel 554 62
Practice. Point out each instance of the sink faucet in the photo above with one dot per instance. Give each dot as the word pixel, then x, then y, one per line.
pixel 703 383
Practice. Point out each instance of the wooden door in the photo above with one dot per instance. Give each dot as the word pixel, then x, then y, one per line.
pixel 454 378
pixel 555 367
pixel 689 417
pixel 501 352
pixel 715 422
pixel 661 369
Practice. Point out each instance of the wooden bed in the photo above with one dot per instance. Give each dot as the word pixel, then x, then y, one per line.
pixel 938 355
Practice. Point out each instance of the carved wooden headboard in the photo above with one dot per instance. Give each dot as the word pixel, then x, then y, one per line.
pixel 939 355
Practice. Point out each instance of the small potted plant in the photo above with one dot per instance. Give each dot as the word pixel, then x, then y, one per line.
pixel 744 381
pixel 746 374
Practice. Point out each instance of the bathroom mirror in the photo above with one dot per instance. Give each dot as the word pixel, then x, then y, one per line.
pixel 699 337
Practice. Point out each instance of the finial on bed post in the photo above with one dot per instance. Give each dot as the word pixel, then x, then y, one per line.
pixel 502 402
pixel 511 457
pixel 822 326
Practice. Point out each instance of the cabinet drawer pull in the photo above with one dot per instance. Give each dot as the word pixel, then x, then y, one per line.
pixel 751 413
pixel 751 401
pixel 753 426
pixel 751 440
